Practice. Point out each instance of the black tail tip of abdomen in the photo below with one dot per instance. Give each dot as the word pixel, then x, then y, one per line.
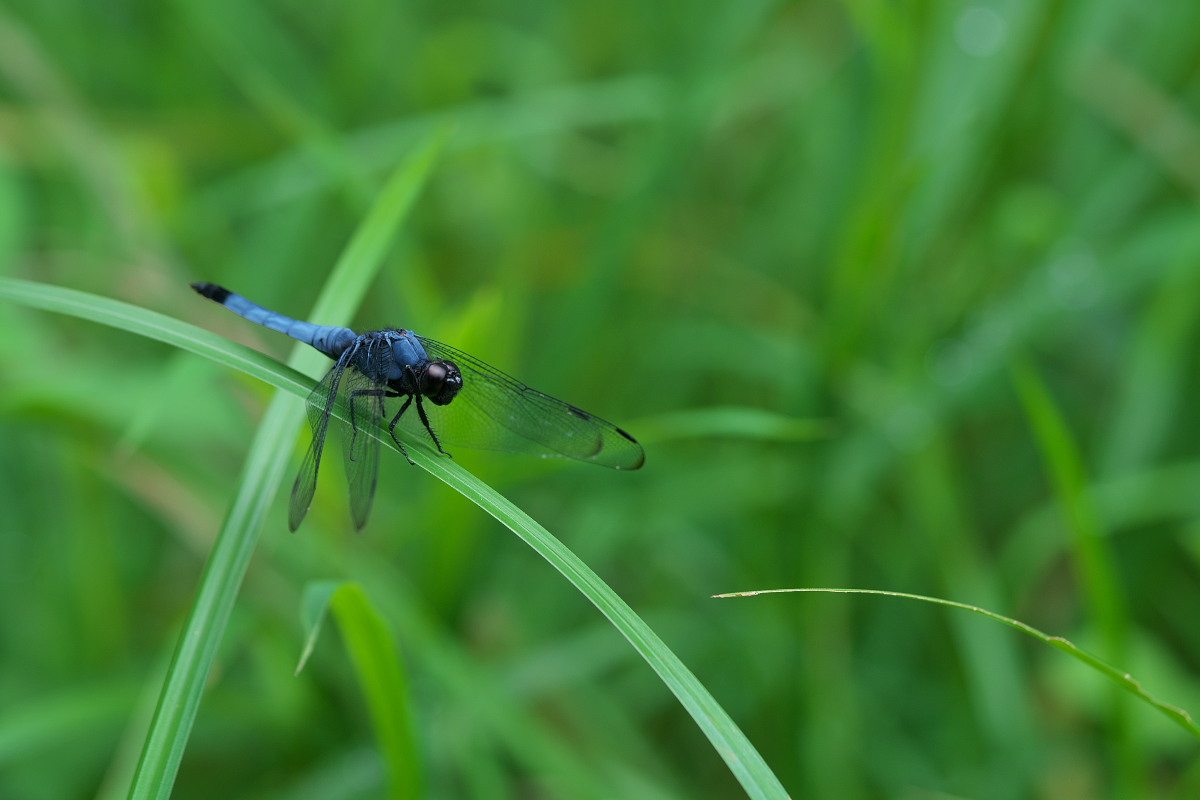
pixel 212 291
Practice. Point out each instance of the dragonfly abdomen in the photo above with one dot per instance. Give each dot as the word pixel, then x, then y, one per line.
pixel 329 339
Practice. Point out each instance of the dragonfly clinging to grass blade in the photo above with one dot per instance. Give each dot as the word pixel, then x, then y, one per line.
pixel 449 396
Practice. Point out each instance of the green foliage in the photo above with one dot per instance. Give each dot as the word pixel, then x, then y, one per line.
pixel 899 296
pixel 372 649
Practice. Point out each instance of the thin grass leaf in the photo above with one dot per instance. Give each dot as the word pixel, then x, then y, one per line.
pixel 1120 677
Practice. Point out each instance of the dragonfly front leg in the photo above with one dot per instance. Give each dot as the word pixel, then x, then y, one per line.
pixel 429 428
pixel 414 381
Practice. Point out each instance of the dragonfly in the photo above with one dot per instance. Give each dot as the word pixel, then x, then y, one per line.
pixel 448 396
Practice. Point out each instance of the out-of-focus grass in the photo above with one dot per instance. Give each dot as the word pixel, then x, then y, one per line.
pixel 850 217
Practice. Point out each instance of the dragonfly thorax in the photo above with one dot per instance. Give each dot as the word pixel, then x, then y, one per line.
pixel 412 372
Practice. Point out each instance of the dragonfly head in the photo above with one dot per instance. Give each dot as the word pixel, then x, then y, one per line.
pixel 441 381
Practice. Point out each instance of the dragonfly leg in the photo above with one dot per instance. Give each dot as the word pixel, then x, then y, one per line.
pixel 353 422
pixel 396 419
pixel 429 428
pixel 415 381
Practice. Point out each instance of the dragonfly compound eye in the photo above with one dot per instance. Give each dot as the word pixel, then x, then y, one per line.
pixel 441 381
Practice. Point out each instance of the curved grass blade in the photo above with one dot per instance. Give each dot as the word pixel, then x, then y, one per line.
pixel 1122 679
pixel 375 655
pixel 313 605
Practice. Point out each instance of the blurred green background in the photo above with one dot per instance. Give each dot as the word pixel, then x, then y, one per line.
pixel 956 243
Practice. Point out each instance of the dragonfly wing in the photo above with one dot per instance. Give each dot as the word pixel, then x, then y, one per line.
pixel 494 411
pixel 360 446
pixel 318 406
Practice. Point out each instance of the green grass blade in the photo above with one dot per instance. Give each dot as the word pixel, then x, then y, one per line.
pixel 351 277
pixel 1120 677
pixel 29 726
pixel 741 757
pixel 381 675
pixel 736 422
pixel 1093 559
pixel 200 639
pixel 313 606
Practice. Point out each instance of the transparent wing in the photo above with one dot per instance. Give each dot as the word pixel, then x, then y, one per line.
pixel 318 406
pixel 360 449
pixel 496 412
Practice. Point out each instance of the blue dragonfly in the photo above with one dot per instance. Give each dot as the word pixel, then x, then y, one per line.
pixel 457 400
